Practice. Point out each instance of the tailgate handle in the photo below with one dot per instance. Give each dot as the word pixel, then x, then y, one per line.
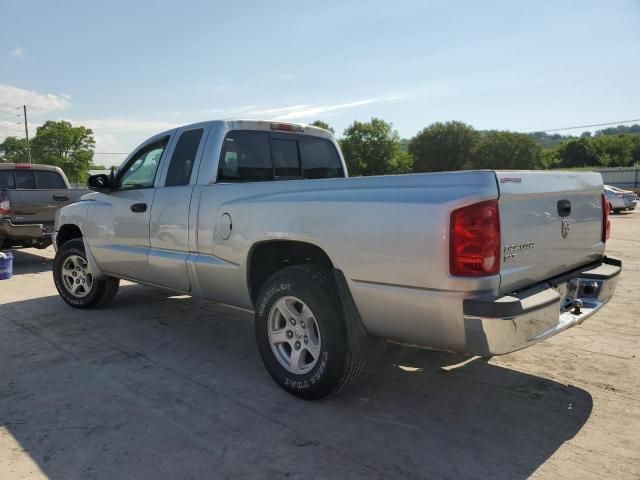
pixel 564 208
pixel 61 198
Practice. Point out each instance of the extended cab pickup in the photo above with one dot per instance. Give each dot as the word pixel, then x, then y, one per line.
pixel 29 197
pixel 262 216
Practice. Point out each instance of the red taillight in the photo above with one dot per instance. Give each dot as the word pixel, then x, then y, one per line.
pixel 606 223
pixel 23 165
pixel 5 204
pixel 475 240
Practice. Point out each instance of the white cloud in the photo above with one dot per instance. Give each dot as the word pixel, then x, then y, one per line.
pixel 36 102
pixel 18 52
pixel 306 111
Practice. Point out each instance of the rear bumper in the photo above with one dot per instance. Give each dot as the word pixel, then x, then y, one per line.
pixel 495 326
pixel 25 231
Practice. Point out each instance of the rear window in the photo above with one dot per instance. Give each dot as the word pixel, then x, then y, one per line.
pixel 25 180
pixel 320 158
pixel 49 180
pixel 6 179
pixel 246 157
pixel 251 156
pixel 285 157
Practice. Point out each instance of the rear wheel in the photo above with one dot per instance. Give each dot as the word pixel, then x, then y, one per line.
pixel 75 281
pixel 301 333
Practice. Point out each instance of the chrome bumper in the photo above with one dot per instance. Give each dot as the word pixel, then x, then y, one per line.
pixel 495 326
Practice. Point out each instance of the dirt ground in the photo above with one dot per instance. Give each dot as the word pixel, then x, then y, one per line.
pixel 161 386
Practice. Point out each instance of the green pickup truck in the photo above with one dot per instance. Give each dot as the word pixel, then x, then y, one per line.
pixel 29 198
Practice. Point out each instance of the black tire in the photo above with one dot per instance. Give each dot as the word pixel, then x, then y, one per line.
pixel 336 366
pixel 102 291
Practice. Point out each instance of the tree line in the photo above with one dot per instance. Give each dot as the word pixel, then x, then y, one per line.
pixel 375 148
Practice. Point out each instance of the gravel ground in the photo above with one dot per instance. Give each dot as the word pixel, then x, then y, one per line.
pixel 161 386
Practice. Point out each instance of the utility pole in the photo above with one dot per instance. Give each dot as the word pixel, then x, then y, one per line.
pixel 26 132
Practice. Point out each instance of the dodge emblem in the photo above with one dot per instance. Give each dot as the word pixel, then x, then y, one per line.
pixel 564 228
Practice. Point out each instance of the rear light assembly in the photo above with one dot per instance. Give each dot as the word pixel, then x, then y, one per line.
pixel 286 127
pixel 23 165
pixel 474 249
pixel 606 223
pixel 5 204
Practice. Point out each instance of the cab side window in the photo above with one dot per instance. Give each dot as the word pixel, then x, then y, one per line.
pixel 140 171
pixel 183 158
pixel 245 157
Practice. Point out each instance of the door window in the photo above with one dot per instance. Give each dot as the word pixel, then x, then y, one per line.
pixel 140 171
pixel 183 158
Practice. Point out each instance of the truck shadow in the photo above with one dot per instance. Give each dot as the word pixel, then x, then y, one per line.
pixel 166 386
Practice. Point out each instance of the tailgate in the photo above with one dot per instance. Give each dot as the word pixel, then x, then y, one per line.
pixel 37 206
pixel 550 222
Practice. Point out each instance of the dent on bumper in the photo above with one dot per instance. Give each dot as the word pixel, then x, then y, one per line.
pixel 495 326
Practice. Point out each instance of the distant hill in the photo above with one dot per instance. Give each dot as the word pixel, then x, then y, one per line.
pixel 547 140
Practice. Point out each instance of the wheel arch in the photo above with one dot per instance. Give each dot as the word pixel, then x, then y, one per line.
pixel 268 256
pixel 67 232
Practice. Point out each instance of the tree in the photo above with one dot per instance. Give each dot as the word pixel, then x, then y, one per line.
pixel 373 148
pixel 443 146
pixel 614 150
pixel 506 150
pixel 13 150
pixel 578 152
pixel 321 124
pixel 550 158
pixel 65 146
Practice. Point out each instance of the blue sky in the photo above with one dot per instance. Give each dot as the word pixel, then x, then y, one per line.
pixel 130 69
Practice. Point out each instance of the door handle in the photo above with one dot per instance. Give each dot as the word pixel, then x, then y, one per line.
pixel 139 207
pixel 61 198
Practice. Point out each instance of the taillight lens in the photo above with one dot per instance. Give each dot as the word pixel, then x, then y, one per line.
pixel 606 223
pixel 475 240
pixel 5 204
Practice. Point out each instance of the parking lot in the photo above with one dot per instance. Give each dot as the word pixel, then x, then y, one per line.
pixel 167 386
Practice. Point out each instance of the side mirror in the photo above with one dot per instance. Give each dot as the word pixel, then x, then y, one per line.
pixel 101 183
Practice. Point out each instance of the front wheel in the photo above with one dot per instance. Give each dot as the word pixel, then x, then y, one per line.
pixel 301 332
pixel 74 279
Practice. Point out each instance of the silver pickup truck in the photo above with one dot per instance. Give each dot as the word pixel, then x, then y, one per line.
pixel 29 197
pixel 262 216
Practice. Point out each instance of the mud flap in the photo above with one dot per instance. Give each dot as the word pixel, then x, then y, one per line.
pixel 363 346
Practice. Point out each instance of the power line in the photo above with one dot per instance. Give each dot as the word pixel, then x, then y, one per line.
pixel 588 126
